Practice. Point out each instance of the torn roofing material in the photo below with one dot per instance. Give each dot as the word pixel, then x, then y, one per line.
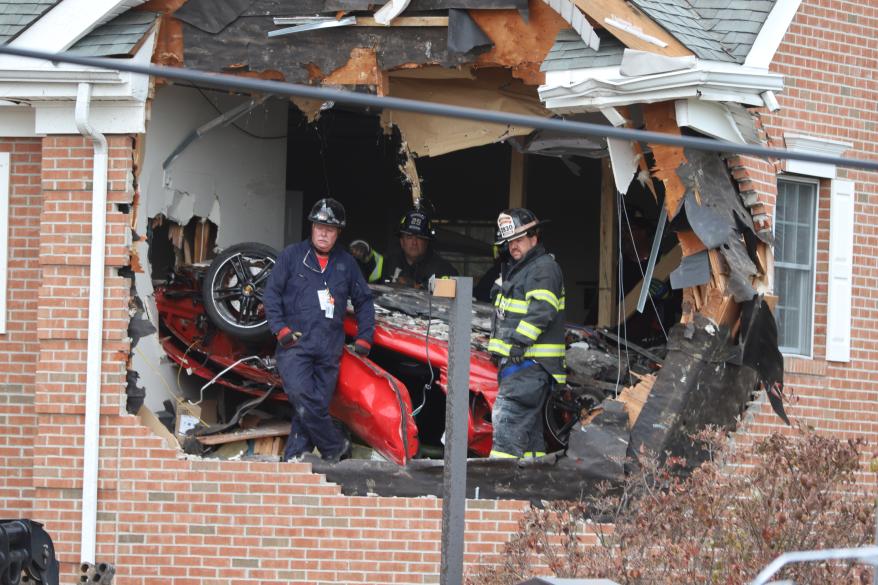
pixel 719 30
pixel 211 16
pixel 17 16
pixel 120 36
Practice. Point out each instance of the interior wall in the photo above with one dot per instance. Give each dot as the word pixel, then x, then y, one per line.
pixel 235 172
pixel 230 175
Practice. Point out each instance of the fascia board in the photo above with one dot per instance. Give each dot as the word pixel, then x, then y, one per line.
pixel 577 104
pixel 106 118
pixel 772 33
pixel 587 90
pixel 17 121
pixel 709 118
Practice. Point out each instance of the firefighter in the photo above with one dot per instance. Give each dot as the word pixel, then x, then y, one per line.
pixel 527 336
pixel 370 261
pixel 415 261
pixel 305 302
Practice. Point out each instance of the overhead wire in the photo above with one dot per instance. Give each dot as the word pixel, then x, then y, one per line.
pixel 216 80
pixel 234 124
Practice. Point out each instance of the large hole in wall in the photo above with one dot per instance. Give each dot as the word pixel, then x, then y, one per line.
pixel 253 180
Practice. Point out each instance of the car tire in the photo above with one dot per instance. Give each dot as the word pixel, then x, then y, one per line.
pixel 232 290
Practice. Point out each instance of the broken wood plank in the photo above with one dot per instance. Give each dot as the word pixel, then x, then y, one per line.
pixel 661 117
pixel 276 429
pixel 690 243
pixel 620 11
pixel 663 269
pixel 634 397
pixel 405 21
pixel 607 259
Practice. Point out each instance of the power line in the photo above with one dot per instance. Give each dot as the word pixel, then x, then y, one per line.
pixel 218 80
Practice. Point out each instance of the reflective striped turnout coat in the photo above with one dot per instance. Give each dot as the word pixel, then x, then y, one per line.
pixel 529 311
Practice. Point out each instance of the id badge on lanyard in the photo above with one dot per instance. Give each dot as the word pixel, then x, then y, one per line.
pixel 327 302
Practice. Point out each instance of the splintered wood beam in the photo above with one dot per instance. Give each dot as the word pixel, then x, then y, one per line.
pixel 661 117
pixel 277 429
pixel 634 397
pixel 622 12
pixel 662 270
pixel 607 280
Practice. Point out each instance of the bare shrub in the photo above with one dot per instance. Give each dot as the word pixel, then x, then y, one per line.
pixel 721 523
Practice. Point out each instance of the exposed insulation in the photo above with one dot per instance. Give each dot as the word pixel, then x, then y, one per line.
pixel 519 45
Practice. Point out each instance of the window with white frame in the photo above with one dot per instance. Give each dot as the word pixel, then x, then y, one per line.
pixel 4 233
pixel 795 227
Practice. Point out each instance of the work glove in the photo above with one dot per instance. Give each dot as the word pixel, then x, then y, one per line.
pixel 657 288
pixel 361 250
pixel 362 347
pixel 516 354
pixel 287 338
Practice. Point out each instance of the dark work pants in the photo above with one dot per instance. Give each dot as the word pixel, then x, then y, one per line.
pixel 309 382
pixel 517 415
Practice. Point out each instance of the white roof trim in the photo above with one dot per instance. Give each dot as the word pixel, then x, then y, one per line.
pixel 584 90
pixel 813 145
pixel 69 21
pixel 772 33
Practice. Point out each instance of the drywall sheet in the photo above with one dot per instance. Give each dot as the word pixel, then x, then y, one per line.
pixel 433 135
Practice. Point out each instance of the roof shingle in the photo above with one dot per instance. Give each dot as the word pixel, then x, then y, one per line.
pixel 117 37
pixel 17 15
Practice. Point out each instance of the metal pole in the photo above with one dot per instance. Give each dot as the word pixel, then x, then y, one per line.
pixel 456 423
pixel 653 254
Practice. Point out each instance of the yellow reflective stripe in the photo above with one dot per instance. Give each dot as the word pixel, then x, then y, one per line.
pixel 509 305
pixel 560 378
pixel 535 454
pixel 498 346
pixel 501 455
pixel 562 304
pixel 379 266
pixel 542 294
pixel 545 350
pixel 528 330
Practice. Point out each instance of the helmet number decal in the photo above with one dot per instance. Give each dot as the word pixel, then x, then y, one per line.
pixel 506 225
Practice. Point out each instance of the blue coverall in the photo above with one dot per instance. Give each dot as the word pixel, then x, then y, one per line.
pixel 309 369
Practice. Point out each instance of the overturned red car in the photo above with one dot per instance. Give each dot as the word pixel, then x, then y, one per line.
pixel 213 325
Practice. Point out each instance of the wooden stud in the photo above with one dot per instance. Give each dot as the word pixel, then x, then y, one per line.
pixel 607 280
pixel 517 179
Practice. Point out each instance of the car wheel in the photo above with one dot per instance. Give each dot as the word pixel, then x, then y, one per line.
pixel 565 408
pixel 233 290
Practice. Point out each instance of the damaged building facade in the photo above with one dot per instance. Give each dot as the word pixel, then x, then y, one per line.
pixel 192 171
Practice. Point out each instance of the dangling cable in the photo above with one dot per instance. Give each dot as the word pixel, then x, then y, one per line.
pixel 428 385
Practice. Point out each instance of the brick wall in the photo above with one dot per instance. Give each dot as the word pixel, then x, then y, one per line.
pixel 200 522
pixel 829 59
pixel 18 346
pixel 160 515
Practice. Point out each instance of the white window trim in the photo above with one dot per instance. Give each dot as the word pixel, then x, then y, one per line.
pixel 4 234
pixel 816 183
